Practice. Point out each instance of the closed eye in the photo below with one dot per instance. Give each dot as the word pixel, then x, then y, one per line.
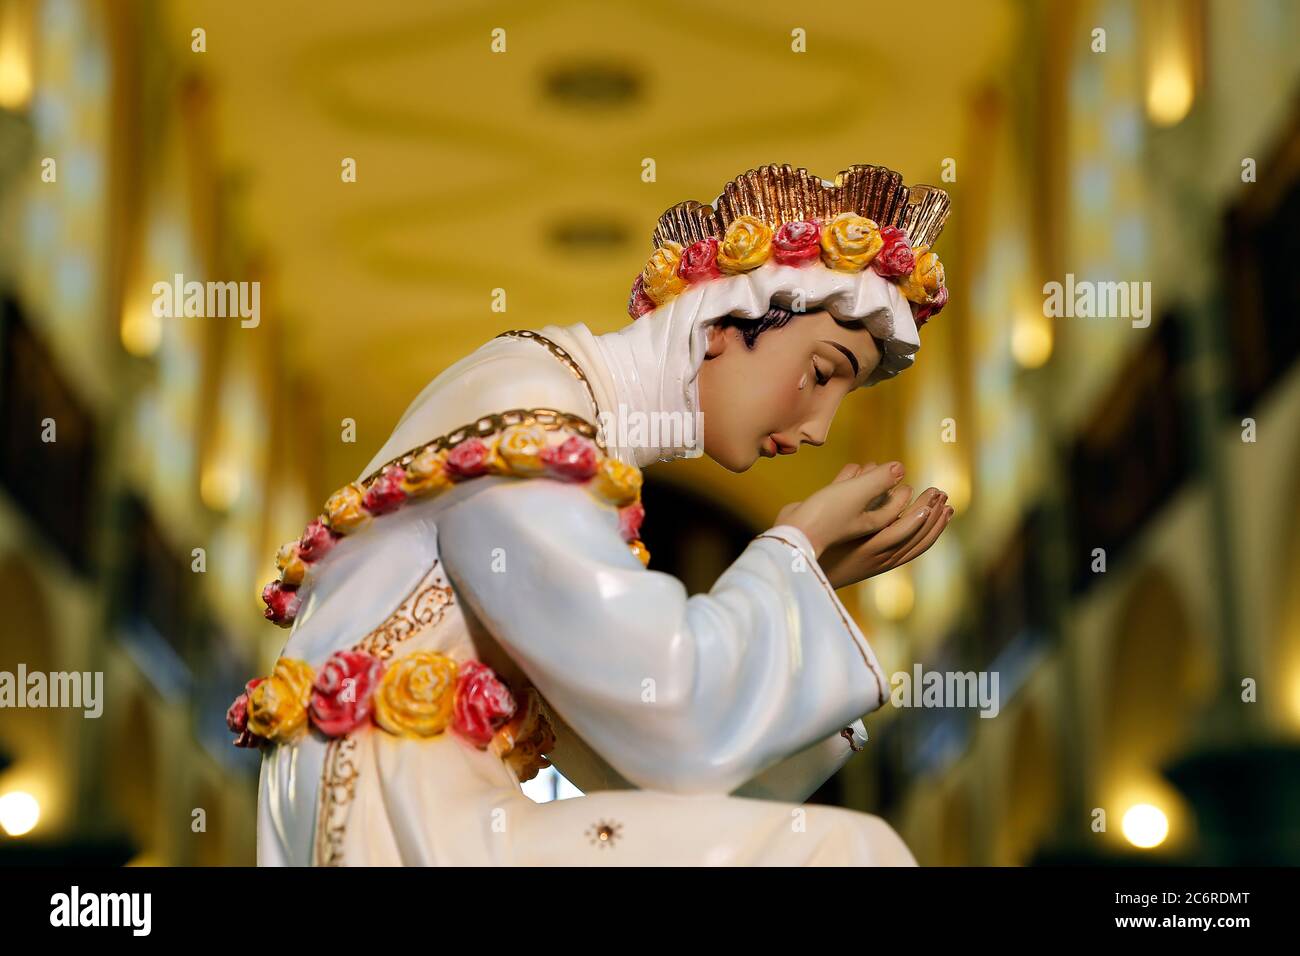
pixel 821 379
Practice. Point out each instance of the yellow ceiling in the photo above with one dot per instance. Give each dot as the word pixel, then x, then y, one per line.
pixel 467 166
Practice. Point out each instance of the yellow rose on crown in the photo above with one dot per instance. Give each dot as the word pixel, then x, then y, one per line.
pixel 926 279
pixel 660 274
pixel 745 246
pixel 850 242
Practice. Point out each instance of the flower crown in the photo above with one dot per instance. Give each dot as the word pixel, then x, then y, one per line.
pixel 866 218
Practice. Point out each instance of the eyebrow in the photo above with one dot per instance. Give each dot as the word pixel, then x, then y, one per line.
pixel 853 359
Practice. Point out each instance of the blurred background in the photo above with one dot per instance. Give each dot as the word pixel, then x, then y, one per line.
pixel 1126 549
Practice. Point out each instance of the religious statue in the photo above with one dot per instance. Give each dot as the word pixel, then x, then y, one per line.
pixel 478 604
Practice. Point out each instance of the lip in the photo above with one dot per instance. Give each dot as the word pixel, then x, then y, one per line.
pixel 769 448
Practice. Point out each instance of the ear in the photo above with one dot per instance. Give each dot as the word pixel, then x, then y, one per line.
pixel 717 339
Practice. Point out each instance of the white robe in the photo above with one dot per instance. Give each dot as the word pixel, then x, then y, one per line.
pixel 672 713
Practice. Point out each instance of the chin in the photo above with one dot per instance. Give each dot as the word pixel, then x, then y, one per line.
pixel 734 462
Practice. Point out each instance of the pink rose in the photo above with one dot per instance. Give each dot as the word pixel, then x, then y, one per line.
pixel 482 703
pixel 638 303
pixel 572 460
pixel 341 694
pixel 316 541
pixel 700 261
pixel 282 603
pixel 629 520
pixel 237 717
pixel 469 459
pixel 797 243
pixel 385 493
pixel 895 257
pixel 923 312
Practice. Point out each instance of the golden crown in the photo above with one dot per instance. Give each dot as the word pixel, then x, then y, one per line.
pixel 866 218
pixel 778 194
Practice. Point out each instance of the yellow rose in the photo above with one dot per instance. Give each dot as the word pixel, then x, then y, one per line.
pixel 660 277
pixel 926 279
pixel 416 694
pixel 426 473
pixel 343 511
pixel 292 568
pixel 520 449
pixel 615 482
pixel 850 242
pixel 746 245
pixel 277 707
pixel 525 738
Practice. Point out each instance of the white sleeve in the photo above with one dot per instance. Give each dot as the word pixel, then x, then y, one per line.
pixel 691 695
pixel 797 777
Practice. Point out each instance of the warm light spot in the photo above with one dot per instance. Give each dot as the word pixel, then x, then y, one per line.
pixel 953 477
pixel 894 594
pixel 141 331
pixel 15 57
pixel 1169 91
pixel 19 812
pixel 220 486
pixel 1145 825
pixel 1031 339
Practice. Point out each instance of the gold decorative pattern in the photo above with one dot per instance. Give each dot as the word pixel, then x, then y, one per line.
pixel 565 358
pixel 338 787
pixel 488 425
pixel 423 608
pixel 781 193
pixel 830 591
pixel 604 833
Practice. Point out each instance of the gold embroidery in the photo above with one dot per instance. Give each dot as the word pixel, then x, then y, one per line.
pixel 830 591
pixel 488 425
pixel 565 358
pixel 423 608
pixel 338 787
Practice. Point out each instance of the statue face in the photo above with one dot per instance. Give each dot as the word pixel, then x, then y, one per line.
pixel 783 392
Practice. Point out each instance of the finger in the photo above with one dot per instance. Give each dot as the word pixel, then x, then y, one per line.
pixel 871 483
pixel 929 538
pixel 850 470
pixel 913 519
pixel 884 510
pixel 937 510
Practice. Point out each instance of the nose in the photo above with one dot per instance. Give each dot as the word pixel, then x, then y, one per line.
pixel 815 433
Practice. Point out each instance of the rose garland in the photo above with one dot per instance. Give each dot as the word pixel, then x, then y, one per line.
pixel 419 695
pixel 848 243
pixel 523 450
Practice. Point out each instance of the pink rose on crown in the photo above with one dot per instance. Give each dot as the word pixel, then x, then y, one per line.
pixel 923 312
pixel 700 261
pixel 469 459
pixel 638 303
pixel 482 703
pixel 797 243
pixel 237 717
pixel 342 692
pixel 895 257
pixel 574 459
pixel 316 541
pixel 385 493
